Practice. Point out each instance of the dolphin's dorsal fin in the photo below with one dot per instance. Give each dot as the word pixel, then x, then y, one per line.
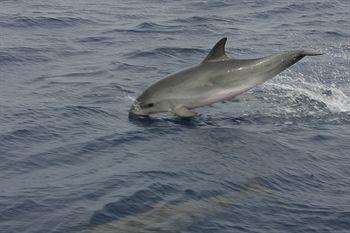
pixel 217 53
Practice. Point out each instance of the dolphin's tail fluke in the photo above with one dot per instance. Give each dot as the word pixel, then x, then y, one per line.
pixel 310 53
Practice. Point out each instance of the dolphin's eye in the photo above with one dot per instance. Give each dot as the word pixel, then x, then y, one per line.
pixel 150 105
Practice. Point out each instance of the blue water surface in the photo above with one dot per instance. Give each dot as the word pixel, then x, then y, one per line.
pixel 275 159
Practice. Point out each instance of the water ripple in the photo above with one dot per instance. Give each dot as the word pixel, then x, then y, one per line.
pixel 41 22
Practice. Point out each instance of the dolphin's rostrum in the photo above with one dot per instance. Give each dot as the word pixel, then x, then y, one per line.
pixel 217 78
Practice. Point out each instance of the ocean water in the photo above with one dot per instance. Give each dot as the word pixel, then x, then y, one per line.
pixel 274 159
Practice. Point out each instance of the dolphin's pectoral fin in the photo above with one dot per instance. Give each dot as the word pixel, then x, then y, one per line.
pixel 182 111
pixel 217 53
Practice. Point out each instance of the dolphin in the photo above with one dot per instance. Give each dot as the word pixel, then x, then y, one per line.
pixel 218 77
pixel 175 217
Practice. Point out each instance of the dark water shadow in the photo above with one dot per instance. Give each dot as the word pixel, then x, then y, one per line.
pixel 148 121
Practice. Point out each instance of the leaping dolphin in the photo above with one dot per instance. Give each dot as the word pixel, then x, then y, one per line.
pixel 216 78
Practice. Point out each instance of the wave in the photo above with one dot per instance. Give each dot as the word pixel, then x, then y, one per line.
pixel 20 209
pixel 73 153
pixel 123 66
pixel 203 19
pixel 19 55
pixel 79 111
pixel 209 4
pixel 97 39
pixel 150 27
pixel 41 21
pixel 167 52
pixel 83 74
pixel 299 7
pixel 311 6
pixel 27 136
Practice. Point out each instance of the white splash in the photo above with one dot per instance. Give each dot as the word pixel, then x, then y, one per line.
pixel 330 95
pixel 129 97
